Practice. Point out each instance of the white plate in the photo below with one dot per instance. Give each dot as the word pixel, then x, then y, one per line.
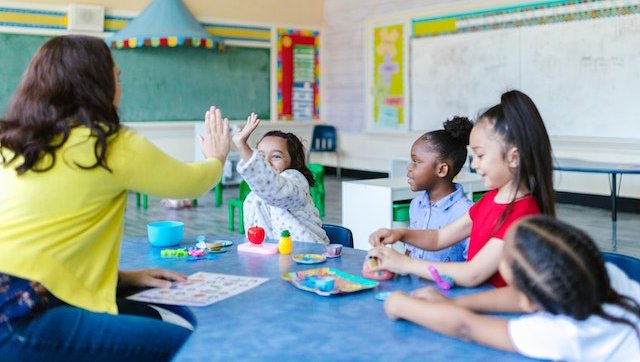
pixel 309 258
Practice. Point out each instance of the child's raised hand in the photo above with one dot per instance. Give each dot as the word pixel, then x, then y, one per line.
pixel 385 236
pixel 430 294
pixel 242 134
pixel 215 141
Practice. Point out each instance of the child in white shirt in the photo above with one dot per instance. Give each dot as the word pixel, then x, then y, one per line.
pixel 279 181
pixel 580 309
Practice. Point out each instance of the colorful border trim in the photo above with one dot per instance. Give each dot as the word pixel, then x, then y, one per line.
pixel 44 19
pixel 23 18
pixel 171 42
pixel 281 34
pixel 523 15
pixel 221 31
pixel 239 32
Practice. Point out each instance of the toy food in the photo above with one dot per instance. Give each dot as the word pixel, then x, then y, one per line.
pixel 255 234
pixel 372 262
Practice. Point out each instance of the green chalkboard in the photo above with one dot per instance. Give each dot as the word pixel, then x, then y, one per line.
pixel 15 53
pixel 166 84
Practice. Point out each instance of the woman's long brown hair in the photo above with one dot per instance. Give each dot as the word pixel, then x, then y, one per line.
pixel 69 83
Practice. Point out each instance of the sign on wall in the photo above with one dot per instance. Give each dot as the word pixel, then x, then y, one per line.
pixel 388 83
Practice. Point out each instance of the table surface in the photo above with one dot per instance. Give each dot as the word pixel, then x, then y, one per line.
pixel 277 320
pixel 577 165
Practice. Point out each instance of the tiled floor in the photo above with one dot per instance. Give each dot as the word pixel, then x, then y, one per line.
pixel 207 219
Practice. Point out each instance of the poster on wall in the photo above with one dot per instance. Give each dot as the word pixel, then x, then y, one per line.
pixel 388 83
pixel 298 74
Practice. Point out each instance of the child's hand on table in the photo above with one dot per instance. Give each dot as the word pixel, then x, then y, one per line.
pixel 385 236
pixel 242 134
pixel 389 259
pixel 394 304
pixel 159 278
pixel 430 294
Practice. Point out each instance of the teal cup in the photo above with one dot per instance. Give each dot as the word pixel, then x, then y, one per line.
pixel 165 233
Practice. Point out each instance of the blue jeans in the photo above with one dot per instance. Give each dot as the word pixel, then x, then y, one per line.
pixel 67 333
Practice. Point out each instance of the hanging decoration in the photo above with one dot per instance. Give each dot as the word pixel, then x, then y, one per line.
pixel 164 23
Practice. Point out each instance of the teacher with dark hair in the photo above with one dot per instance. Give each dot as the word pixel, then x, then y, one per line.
pixel 66 167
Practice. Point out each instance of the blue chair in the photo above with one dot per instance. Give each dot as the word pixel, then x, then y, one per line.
pixel 325 139
pixel 628 264
pixel 339 235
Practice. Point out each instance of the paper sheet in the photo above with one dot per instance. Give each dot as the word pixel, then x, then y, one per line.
pixel 200 289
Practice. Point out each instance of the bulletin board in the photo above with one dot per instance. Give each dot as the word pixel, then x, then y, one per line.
pixel 298 74
pixel 572 57
pixel 388 81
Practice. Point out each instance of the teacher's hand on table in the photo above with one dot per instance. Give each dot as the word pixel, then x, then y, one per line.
pixel 385 236
pixel 159 278
pixel 389 259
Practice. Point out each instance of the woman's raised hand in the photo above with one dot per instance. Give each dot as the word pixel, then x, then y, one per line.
pixel 215 141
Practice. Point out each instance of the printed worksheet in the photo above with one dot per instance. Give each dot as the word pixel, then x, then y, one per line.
pixel 200 289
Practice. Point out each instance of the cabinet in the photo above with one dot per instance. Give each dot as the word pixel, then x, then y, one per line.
pixel 367 205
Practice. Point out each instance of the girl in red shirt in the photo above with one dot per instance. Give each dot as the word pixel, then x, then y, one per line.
pixel 512 154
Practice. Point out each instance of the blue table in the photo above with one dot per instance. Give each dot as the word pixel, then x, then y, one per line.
pixel 276 321
pixel 613 170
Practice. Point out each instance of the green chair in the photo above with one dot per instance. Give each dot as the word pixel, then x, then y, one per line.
pixel 218 192
pixel 318 190
pixel 237 203
pixel 145 200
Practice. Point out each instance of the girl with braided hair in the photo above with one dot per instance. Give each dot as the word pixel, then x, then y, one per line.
pixel 579 307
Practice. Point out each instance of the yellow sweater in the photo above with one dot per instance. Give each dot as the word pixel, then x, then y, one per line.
pixel 63 228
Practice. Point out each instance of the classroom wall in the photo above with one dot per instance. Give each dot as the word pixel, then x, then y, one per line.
pixel 343 77
pixel 345 97
pixel 307 12
pixel 177 138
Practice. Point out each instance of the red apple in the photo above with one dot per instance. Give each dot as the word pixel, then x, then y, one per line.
pixel 255 234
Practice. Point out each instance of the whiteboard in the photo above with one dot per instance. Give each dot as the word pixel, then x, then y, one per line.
pixel 584 76
pixel 447 72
